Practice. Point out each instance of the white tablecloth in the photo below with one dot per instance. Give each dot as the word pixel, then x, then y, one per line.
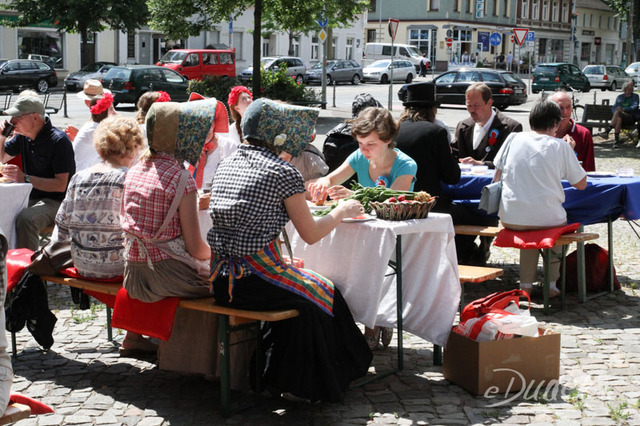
pixel 14 197
pixel 355 257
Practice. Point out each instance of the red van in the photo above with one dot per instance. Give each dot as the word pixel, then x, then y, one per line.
pixel 196 63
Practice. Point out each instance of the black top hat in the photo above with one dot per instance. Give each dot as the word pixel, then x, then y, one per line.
pixel 421 95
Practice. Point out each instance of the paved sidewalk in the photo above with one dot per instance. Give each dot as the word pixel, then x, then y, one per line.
pixel 87 383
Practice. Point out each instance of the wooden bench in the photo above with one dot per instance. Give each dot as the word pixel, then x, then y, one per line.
pixel 599 116
pixel 564 240
pixel 321 104
pixel 15 412
pixel 230 320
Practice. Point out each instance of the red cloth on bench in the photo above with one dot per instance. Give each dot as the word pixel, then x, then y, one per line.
pixel 17 262
pixel 535 239
pixel 37 407
pixel 107 299
pixel 149 319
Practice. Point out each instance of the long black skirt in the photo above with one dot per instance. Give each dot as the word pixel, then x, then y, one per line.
pixel 314 356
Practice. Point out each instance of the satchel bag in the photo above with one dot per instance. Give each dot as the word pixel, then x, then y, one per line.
pixel 52 258
pixel 492 193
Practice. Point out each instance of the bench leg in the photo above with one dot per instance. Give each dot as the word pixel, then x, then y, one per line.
pixel 582 276
pixel 109 329
pixel 225 365
pixel 610 238
pixel 14 345
pixel 546 267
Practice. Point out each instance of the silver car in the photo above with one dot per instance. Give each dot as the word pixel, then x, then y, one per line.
pixel 380 71
pixel 337 71
pixel 606 77
pixel 295 67
pixel 634 71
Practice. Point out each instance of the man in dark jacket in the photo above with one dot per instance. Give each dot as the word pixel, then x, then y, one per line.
pixel 479 137
pixel 477 141
pixel 426 142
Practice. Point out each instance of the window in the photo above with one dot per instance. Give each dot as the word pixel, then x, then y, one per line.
pixel 334 43
pixel 489 76
pixel 545 10
pixel 554 12
pixel 495 7
pixel 237 43
pixel 525 9
pixel 349 50
pixel 584 20
pixel 172 77
pixel 615 24
pixel 535 11
pixel 468 6
pixel 434 4
pixel 371 36
pixel 565 11
pixel 296 46
pixel 505 8
pixel 226 58
pixel 372 5
pixel 192 60
pixel 591 20
pixel 609 22
pixel 447 78
pixel 456 5
pixel 131 45
pixel 314 48
pixel 585 52
pixel 42 42
pixel 600 21
pixel 265 46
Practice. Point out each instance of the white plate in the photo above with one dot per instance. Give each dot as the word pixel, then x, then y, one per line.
pixel 601 174
pixel 358 218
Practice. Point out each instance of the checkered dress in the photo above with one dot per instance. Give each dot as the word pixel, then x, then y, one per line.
pixel 149 189
pixel 247 201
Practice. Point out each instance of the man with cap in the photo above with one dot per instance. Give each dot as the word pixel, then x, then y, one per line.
pixel 426 142
pixel 477 141
pixel 47 163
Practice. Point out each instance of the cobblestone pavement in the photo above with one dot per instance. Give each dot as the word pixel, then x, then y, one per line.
pixel 87 383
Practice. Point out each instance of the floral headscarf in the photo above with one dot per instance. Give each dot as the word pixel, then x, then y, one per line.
pixel 180 129
pixel 286 127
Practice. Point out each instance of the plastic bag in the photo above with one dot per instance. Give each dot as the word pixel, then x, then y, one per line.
pixel 499 324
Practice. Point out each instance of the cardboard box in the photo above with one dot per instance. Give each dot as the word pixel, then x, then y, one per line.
pixel 502 365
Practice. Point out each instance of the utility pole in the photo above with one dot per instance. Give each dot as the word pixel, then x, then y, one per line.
pixel 573 37
pixel 631 49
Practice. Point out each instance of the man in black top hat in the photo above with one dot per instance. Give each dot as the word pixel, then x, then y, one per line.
pixel 427 143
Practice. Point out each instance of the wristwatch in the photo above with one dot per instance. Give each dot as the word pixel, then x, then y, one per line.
pixel 27 179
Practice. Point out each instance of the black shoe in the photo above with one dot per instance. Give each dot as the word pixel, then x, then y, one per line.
pixel 615 144
pixel 605 134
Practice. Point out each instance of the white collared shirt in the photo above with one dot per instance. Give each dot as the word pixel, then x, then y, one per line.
pixel 480 131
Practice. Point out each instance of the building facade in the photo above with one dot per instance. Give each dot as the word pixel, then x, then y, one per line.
pixel 483 29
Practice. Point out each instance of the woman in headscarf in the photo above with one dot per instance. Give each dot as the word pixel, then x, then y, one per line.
pixel 254 194
pixel 164 250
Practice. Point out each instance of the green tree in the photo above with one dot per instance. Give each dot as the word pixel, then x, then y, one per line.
pixel 81 16
pixel 183 18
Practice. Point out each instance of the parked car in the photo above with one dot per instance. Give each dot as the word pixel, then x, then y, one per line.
pixel 610 77
pixel 379 51
pixel 337 70
pixel 634 71
pixel 506 87
pixel 20 74
pixel 75 80
pixel 556 75
pixel 295 67
pixel 197 63
pixel 36 57
pixel 128 83
pixel 380 71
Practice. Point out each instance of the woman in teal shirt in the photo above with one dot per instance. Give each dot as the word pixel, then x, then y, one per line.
pixel 376 160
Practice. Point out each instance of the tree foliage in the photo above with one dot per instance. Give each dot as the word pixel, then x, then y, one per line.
pixel 81 16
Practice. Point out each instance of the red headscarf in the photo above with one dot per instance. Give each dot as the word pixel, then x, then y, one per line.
pixel 235 94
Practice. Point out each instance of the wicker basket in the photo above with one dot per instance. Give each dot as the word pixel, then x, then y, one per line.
pixel 402 211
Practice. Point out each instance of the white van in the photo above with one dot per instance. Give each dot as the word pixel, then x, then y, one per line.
pixel 377 51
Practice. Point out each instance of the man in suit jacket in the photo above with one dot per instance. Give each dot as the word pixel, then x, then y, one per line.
pixel 426 143
pixel 479 137
pixel 477 141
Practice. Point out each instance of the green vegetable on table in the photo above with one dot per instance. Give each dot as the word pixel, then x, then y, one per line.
pixel 376 194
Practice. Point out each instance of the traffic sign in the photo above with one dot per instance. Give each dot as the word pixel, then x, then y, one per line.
pixel 531 36
pixel 393 28
pixel 322 35
pixel 449 42
pixel 495 39
pixel 520 35
pixel 323 22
